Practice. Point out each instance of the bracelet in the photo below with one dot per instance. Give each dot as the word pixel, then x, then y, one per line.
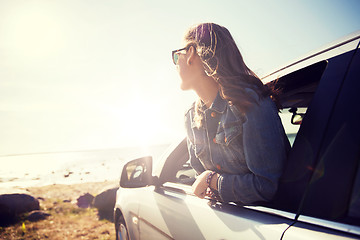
pixel 209 177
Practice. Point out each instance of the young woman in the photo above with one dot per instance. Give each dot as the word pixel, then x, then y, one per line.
pixel 236 141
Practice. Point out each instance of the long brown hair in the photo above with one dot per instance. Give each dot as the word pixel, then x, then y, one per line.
pixel 223 61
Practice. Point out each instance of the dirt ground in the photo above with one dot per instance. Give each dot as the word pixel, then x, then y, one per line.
pixel 67 220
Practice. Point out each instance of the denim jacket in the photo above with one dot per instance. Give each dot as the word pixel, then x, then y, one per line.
pixel 248 150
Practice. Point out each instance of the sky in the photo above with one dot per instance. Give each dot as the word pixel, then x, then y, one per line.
pixel 86 74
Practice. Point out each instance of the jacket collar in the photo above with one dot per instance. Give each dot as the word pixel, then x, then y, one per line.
pixel 219 104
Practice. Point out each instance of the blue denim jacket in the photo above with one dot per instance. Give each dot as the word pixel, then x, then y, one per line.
pixel 248 150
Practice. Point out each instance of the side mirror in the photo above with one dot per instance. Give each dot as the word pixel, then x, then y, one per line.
pixel 296 118
pixel 137 173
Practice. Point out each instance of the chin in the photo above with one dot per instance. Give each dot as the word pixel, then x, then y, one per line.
pixel 185 86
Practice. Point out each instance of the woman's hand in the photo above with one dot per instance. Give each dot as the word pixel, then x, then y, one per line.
pixel 200 186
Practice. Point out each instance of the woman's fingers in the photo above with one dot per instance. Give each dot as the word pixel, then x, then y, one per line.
pixel 200 186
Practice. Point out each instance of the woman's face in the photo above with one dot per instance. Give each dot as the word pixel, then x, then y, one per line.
pixel 189 67
pixel 184 71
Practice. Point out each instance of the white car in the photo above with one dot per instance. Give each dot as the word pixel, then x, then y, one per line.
pixel 319 192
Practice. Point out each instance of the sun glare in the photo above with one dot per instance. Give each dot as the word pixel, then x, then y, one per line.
pixel 141 122
pixel 32 33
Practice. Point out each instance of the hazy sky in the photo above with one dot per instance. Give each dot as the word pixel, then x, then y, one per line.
pixel 86 74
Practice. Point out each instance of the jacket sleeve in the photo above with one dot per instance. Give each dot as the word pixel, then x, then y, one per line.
pixel 265 149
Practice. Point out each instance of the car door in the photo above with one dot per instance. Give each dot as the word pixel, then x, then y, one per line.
pixel 171 211
pixel 330 207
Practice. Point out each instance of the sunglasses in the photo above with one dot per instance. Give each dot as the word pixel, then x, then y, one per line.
pixel 175 55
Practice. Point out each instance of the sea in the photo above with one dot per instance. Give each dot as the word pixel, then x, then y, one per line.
pixel 69 167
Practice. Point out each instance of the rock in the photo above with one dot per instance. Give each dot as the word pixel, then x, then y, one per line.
pixel 68 174
pixel 105 203
pixel 35 216
pixel 6 217
pixel 85 200
pixel 12 205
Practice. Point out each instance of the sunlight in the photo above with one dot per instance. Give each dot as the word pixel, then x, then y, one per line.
pixel 32 32
pixel 141 123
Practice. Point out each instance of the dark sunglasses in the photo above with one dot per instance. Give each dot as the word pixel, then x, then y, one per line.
pixel 175 56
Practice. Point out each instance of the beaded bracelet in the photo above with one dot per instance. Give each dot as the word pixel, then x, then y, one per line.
pixel 209 177
pixel 214 194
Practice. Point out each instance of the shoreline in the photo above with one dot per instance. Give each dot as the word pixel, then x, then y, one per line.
pixel 70 167
pixel 92 187
pixel 70 191
pixel 106 171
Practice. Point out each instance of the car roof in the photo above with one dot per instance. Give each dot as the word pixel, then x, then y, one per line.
pixel 330 50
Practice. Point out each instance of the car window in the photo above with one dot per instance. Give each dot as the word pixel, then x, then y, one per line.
pixel 317 95
pixel 295 92
pixel 333 191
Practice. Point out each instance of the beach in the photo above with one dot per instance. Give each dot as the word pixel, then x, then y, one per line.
pixel 67 220
pixel 65 177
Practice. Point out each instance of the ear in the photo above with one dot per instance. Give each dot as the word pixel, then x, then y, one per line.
pixel 191 55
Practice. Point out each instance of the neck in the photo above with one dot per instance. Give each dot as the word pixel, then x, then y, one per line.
pixel 207 90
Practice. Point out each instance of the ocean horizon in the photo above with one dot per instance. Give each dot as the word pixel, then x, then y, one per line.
pixel 69 167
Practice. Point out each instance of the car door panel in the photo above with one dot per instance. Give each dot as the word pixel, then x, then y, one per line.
pixel 165 210
pixel 303 230
pixel 129 209
pixel 174 210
